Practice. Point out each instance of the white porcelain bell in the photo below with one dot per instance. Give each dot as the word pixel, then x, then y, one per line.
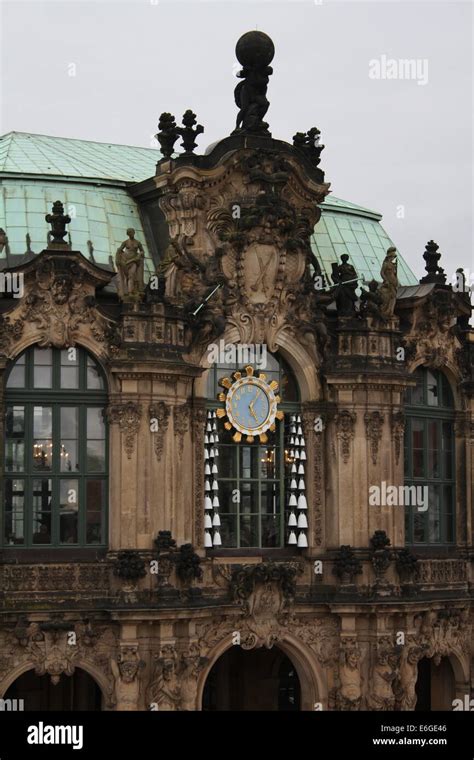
pixel 215 501
pixel 302 540
pixel 302 503
pixel 292 520
pixel 302 521
pixel 216 520
pixel 207 540
pixel 207 521
pixel 292 502
pixel 207 470
pixel 292 537
pixel 216 539
pixel 301 485
pixel 207 503
pixel 207 486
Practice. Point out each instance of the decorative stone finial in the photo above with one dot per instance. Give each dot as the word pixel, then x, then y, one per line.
pixel 58 220
pixel 255 51
pixel 308 143
pixel 189 131
pixel 435 272
pixel 167 133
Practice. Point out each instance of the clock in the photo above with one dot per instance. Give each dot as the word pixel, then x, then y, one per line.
pixel 250 405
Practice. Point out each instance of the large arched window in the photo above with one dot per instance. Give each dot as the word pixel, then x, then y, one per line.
pixel 256 481
pixel 429 459
pixel 55 464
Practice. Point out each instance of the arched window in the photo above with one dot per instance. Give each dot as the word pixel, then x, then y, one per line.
pixel 55 466
pixel 429 459
pixel 256 481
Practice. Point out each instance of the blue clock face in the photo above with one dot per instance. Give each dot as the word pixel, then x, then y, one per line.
pixel 249 407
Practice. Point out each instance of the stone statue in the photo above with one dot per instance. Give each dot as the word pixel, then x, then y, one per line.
pixel 344 277
pixel 192 663
pixel 371 301
pixel 404 687
pixel 350 692
pixel 388 289
pixel 383 676
pixel 127 684
pixel 254 50
pixel 129 259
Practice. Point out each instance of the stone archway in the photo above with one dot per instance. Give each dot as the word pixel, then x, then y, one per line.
pixel 436 684
pixel 79 691
pixel 312 689
pixel 257 679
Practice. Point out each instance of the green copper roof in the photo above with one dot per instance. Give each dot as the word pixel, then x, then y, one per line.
pixel 90 178
pixel 22 153
pixel 363 239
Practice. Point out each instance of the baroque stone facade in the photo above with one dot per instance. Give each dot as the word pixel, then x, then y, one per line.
pixel 238 266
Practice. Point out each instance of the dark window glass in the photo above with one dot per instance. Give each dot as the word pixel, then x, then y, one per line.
pixel 55 442
pixel 429 459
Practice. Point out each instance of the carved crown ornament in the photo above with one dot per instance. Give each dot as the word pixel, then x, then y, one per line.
pixel 58 307
pixel 240 250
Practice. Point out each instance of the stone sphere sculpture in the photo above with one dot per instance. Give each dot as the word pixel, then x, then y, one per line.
pixel 255 49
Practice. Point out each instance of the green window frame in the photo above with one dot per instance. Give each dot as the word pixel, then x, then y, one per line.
pixel 55 465
pixel 430 459
pixel 255 472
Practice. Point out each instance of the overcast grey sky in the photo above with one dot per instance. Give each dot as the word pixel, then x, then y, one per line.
pixel 398 146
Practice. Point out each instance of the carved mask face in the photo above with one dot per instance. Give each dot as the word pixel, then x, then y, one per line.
pixel 128 671
pixel 61 289
pixel 352 659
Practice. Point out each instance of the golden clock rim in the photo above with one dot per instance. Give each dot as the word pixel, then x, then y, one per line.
pixel 265 387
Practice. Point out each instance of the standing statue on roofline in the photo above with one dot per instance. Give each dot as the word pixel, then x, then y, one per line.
pixel 130 259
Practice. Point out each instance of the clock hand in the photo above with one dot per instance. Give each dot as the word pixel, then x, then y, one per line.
pixel 252 411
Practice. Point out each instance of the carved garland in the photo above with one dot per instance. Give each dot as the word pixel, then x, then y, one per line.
pixel 127 415
pixel 159 412
pixel 398 429
pixel 181 416
pixel 345 423
pixel 373 427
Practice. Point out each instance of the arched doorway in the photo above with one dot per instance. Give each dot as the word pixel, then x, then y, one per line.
pixel 76 692
pixel 259 679
pixel 436 685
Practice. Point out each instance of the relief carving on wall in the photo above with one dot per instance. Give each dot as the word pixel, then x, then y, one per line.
pixel 127 415
pixel 55 647
pixel 181 415
pixel 59 306
pixel 240 253
pixel 345 423
pixel 373 429
pixel 430 338
pixel 159 412
pixel 174 683
pixel 398 429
